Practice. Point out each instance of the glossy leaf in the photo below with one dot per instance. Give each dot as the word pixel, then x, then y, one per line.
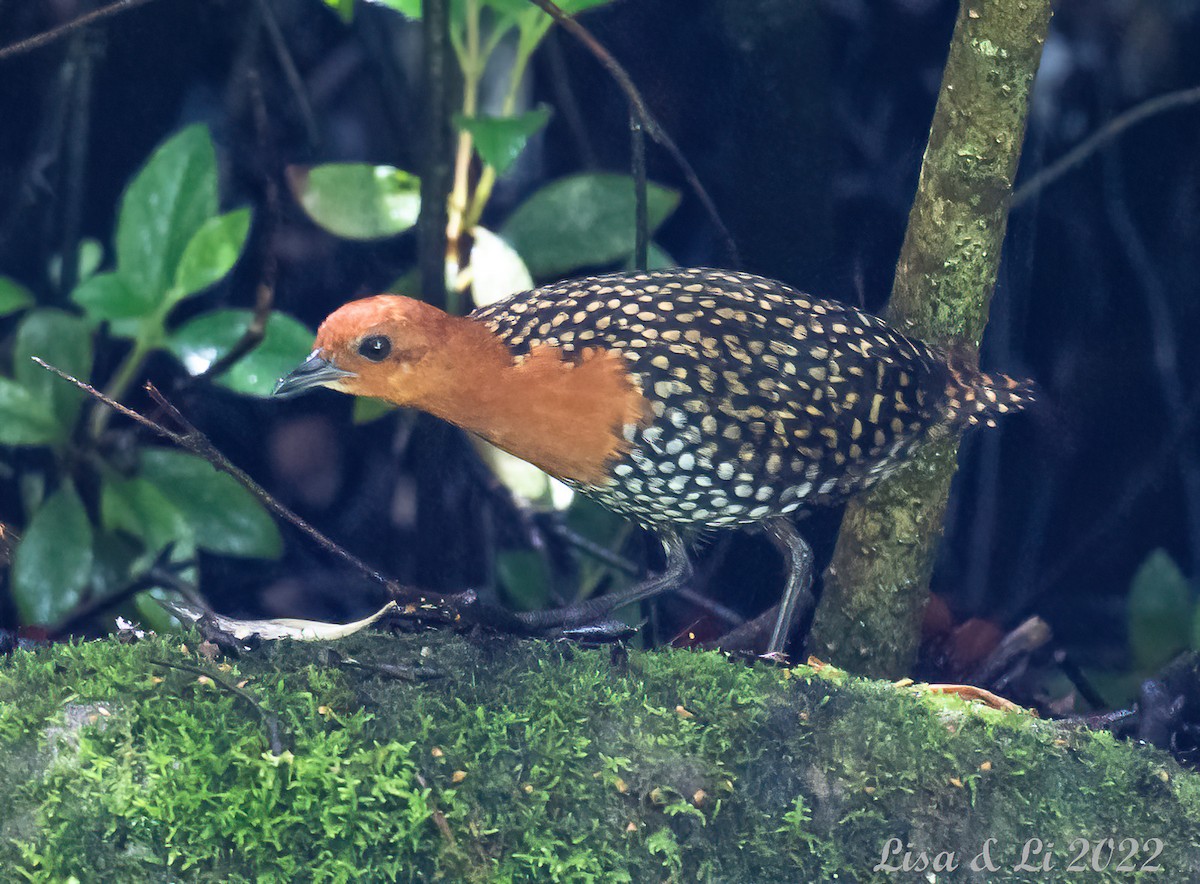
pixel 54 559
pixel 357 200
pixel 171 198
pixel 223 516
pixel 497 271
pixel 13 296
pixel 212 252
pixel 500 140
pixel 107 297
pixel 205 339
pixel 24 418
pixel 1160 612
pixel 582 221
pixel 137 507
pixel 63 340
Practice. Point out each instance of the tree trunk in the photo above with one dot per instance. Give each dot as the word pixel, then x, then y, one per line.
pixel 877 584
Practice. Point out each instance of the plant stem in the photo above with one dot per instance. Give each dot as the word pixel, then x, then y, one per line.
pixel 125 375
pixel 472 62
pixel 487 178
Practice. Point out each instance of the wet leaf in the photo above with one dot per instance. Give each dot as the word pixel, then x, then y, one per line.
pixel 205 339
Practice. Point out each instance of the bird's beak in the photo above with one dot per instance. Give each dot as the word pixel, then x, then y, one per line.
pixel 315 371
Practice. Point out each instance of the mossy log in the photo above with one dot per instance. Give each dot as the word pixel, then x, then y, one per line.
pixel 460 758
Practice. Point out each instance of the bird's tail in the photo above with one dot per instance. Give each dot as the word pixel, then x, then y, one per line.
pixel 981 398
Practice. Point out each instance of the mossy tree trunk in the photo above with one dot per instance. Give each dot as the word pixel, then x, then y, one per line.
pixel 877 585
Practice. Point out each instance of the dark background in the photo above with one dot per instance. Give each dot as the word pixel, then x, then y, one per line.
pixel 806 121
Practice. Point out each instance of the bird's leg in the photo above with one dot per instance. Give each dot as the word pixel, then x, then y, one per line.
pixel 797 594
pixel 678 570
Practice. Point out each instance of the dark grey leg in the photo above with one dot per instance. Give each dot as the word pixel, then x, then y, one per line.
pixel 678 570
pixel 797 595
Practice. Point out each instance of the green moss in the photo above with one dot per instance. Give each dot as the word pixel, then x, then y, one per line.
pixel 527 761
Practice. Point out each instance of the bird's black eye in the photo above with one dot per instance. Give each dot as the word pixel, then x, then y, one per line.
pixel 376 348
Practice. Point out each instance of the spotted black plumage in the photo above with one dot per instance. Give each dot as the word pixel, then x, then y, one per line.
pixel 763 399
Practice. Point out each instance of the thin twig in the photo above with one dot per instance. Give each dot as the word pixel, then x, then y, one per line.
pixel 638 107
pixel 154 576
pixel 192 440
pixel 641 251
pixel 270 721
pixel 253 335
pixel 1090 145
pixel 597 551
pixel 291 74
pixel 437 172
pixel 46 37
pixel 264 298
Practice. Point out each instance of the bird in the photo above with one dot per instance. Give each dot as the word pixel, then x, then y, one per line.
pixel 687 400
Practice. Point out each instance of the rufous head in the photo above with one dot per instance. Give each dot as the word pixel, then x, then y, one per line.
pixel 376 347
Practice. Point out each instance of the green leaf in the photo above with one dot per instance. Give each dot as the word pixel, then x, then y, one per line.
pixel 656 259
pixel 171 198
pixel 139 508
pixel 212 252
pixel 24 419
pixel 91 253
pixel 408 8
pixel 367 409
pixel 54 560
pixel 500 140
pixel 357 200
pixel 205 339
pixel 63 340
pixel 224 517
pixel 152 615
pixel 13 296
pixel 345 8
pixel 1161 608
pixel 525 578
pixel 107 296
pixel 497 271
pixel 582 221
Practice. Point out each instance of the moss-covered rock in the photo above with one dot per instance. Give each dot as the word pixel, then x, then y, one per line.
pixel 506 760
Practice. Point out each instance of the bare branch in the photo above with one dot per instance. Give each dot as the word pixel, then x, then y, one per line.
pixel 47 37
pixel 637 107
pixel 1097 140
